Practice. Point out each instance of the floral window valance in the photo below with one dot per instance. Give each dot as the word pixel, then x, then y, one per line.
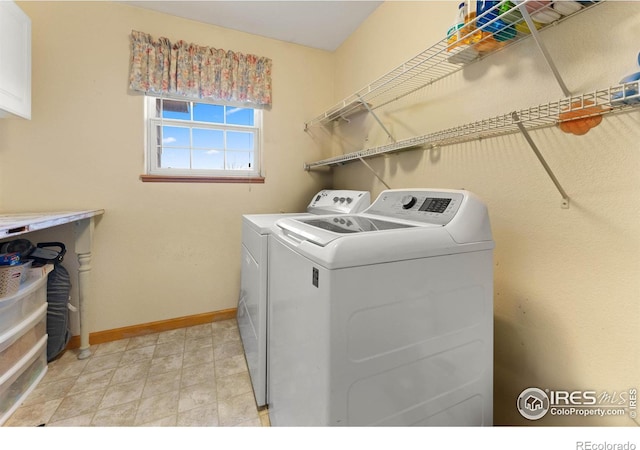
pixel 196 72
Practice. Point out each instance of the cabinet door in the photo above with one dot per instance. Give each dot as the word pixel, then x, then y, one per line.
pixel 15 61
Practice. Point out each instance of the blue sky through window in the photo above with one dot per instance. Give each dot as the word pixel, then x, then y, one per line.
pixel 201 147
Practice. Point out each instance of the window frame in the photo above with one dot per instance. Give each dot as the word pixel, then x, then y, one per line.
pixel 154 173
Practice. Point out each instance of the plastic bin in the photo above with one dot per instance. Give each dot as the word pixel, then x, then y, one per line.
pixel 17 307
pixel 26 267
pixel 17 342
pixel 18 383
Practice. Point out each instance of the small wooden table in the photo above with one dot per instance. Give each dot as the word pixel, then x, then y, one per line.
pixel 21 223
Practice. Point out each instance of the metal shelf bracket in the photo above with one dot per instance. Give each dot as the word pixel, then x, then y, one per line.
pixel 534 147
pixel 542 48
pixel 368 108
pixel 373 172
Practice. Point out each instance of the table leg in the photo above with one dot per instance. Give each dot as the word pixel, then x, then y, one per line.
pixel 84 236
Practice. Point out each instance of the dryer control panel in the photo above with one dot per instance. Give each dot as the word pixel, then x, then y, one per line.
pixel 331 201
pixel 420 205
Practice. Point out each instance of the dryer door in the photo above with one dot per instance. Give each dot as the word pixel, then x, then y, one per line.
pixel 252 322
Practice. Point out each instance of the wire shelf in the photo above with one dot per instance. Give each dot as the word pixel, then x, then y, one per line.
pixel 614 99
pixel 445 58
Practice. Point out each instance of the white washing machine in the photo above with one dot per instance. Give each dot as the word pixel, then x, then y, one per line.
pixel 385 317
pixel 252 304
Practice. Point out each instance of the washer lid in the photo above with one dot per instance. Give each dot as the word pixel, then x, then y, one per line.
pixel 321 230
pixel 352 224
pixel 335 250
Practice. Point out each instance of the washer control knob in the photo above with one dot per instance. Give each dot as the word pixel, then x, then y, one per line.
pixel 408 201
pixel 341 199
pixel 335 199
pixel 349 199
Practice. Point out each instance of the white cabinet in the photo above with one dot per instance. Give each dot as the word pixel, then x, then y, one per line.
pixel 15 61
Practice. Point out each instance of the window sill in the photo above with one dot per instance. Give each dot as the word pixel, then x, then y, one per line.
pixel 187 179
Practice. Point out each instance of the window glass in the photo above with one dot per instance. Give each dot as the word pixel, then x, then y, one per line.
pixel 173 109
pixel 203 112
pixel 239 141
pixel 239 161
pixel 208 159
pixel 202 139
pixel 175 158
pixel 239 116
pixel 175 137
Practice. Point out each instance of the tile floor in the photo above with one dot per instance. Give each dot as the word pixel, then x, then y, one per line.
pixel 194 376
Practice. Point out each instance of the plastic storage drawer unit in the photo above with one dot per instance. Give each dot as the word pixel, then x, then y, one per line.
pixel 17 307
pixel 17 383
pixel 17 342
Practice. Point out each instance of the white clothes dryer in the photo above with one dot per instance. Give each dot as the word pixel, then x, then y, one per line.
pixel 252 304
pixel 383 317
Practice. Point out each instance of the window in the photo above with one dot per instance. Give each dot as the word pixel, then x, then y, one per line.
pixel 201 140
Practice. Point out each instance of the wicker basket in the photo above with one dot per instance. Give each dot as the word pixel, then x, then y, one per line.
pixel 10 279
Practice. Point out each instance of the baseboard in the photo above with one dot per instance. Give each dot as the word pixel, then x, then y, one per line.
pixel 101 337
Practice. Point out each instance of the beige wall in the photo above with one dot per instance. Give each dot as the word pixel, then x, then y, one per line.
pixel 566 280
pixel 161 250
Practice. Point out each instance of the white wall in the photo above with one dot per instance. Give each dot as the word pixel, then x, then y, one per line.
pixel 162 250
pixel 566 280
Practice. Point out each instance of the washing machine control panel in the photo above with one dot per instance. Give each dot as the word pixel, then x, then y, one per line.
pixel 339 202
pixel 427 206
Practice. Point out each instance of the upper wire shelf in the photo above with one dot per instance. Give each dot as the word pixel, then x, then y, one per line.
pixel 446 57
pixel 569 110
